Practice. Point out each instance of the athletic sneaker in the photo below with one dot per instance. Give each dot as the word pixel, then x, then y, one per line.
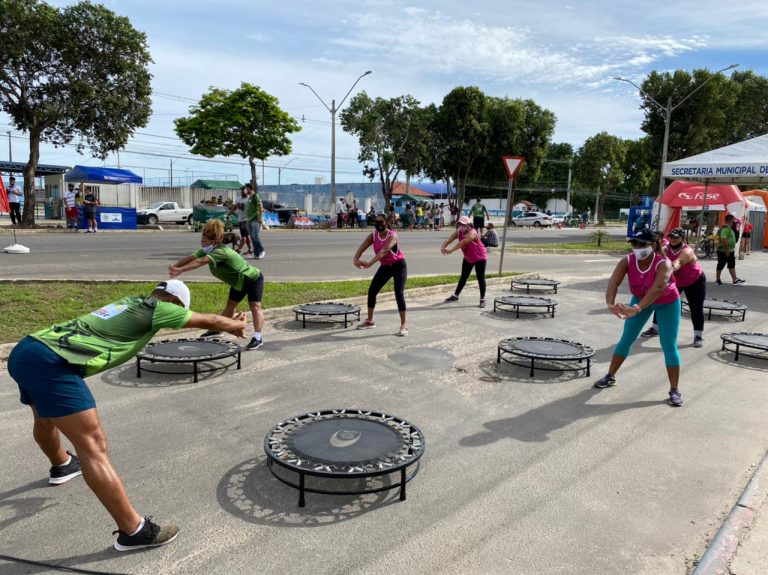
pixel 482 302
pixel 718 283
pixel 403 331
pixel 260 255
pixel 650 332
pixel 63 473
pixel 453 297
pixel 151 535
pixel 606 381
pixel 738 281
pixel 88 231
pixel 254 344
pixel 675 398
pixel 211 333
pixel 698 341
pixel 366 325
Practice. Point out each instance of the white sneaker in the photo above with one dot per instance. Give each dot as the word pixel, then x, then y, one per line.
pixel 260 255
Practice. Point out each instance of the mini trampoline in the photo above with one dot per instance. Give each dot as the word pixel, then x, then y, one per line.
pixel 536 282
pixel 327 309
pixel 756 341
pixel 515 302
pixel 544 349
pixel 733 308
pixel 343 444
pixel 194 351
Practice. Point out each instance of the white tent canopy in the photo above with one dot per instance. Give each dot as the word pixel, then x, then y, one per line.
pixel 743 163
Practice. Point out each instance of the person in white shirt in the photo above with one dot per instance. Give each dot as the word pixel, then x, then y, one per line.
pixel 341 207
pixel 70 205
pixel 15 199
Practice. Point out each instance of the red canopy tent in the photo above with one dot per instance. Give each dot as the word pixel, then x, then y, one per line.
pixel 691 195
pixel 4 207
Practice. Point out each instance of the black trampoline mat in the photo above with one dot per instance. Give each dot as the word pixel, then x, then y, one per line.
pixel 756 340
pixel 529 301
pixel 723 304
pixel 348 441
pixel 326 308
pixel 539 347
pixel 186 349
pixel 537 282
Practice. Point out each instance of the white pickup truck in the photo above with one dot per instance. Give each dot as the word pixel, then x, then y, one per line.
pixel 164 212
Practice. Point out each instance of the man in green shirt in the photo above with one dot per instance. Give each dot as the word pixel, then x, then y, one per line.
pixel 255 214
pixel 478 213
pixel 49 366
pixel 725 252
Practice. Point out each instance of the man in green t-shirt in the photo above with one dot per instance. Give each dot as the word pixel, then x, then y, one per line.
pixel 254 211
pixel 725 252
pixel 478 213
pixel 49 366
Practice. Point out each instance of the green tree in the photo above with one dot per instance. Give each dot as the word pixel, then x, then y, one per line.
pixel 640 177
pixel 392 134
pixel 599 166
pixel 462 132
pixel 75 73
pixel 246 122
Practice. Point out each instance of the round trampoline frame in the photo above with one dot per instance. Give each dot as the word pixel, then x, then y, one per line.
pixel 279 450
pixel 732 338
pixel 539 282
pixel 733 308
pixel 229 349
pixel 504 347
pixel 541 302
pixel 350 310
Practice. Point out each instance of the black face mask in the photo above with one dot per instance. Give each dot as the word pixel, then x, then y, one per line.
pixel 381 226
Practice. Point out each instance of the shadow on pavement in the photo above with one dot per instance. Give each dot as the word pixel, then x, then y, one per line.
pixel 536 425
pixel 175 376
pixel 728 358
pixel 250 492
pixel 26 565
pixel 498 372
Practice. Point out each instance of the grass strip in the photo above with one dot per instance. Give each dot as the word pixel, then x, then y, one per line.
pixel 29 306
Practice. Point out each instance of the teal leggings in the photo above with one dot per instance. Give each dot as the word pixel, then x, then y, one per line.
pixel 668 316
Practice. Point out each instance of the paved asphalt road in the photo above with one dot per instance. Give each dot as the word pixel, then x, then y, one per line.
pixel 291 254
pixel 540 475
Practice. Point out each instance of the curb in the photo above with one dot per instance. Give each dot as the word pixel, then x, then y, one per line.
pixel 723 547
pixel 276 313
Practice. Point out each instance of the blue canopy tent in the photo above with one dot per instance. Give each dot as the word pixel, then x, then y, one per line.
pixel 108 217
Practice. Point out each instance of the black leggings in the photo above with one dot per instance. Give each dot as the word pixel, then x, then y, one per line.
pixel 695 294
pixel 466 269
pixel 398 271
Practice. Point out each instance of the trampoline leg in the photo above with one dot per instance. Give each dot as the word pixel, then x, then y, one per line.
pixel 498 355
pixel 531 367
pixel 737 352
pixel 302 502
pixel 345 321
pixel 194 370
pixel 138 367
pixel 238 359
pixel 304 320
pixel 709 317
pixel 553 312
pixel 588 364
pixel 517 309
pixel 402 484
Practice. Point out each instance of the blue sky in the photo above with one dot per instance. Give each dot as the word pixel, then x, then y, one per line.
pixel 563 55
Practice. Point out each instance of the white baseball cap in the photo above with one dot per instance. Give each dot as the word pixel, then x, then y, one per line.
pixel 176 288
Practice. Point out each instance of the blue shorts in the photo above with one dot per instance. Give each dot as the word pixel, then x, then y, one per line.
pixel 47 381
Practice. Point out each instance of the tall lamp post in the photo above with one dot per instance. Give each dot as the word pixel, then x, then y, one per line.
pixel 668 109
pixel 333 108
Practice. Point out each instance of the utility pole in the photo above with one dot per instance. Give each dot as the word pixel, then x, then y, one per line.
pixel 10 150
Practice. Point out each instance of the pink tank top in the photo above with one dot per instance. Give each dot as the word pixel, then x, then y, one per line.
pixel 395 255
pixel 687 274
pixel 642 281
pixel 473 251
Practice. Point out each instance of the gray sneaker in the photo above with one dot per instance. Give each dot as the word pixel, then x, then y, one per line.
pixel 606 381
pixel 675 398
pixel 650 332
pixel 698 341
pixel 151 535
pixel 452 298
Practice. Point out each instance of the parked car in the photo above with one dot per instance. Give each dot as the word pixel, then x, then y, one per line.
pixel 536 219
pixel 558 218
pixel 283 212
pixel 164 212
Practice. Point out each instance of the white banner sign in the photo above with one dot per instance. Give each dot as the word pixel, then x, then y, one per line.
pixel 111 218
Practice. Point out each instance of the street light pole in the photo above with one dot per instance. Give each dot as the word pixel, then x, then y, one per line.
pixel 333 108
pixel 668 109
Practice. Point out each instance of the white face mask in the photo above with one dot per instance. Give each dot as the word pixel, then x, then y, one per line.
pixel 642 253
pixel 208 249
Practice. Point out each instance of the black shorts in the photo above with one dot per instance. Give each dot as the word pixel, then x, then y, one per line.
pixel 746 235
pixel 254 290
pixel 723 260
pixel 90 214
pixel 245 229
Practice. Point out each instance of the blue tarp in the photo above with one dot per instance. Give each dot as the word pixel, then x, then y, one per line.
pixel 101 175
